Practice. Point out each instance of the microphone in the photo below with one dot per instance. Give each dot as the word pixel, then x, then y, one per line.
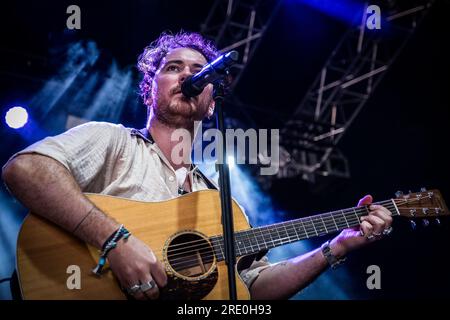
pixel 210 73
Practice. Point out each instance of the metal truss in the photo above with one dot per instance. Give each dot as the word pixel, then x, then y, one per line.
pixel 341 89
pixel 239 25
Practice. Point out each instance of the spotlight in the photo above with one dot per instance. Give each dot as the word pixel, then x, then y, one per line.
pixel 230 161
pixel 16 117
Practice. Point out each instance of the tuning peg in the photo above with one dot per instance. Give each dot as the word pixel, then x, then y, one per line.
pixel 423 189
pixel 426 222
pixel 413 224
pixel 437 221
pixel 398 194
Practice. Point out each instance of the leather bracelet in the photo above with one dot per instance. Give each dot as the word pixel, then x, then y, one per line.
pixel 110 243
pixel 332 260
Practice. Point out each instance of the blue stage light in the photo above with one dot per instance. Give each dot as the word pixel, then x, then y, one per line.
pixel 349 11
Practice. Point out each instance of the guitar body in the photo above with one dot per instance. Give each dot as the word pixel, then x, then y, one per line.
pixel 48 256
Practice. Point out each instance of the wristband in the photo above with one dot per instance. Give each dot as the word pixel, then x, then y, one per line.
pixel 110 244
pixel 332 260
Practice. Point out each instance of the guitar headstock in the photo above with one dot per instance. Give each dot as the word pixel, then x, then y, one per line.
pixel 423 204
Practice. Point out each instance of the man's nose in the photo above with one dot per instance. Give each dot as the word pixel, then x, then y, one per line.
pixel 186 72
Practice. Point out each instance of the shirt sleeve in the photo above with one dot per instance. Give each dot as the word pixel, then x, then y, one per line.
pixel 250 274
pixel 84 150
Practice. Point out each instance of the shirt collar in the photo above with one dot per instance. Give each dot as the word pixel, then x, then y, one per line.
pixel 146 135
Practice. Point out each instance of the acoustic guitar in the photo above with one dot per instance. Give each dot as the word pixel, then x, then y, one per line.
pixel 186 235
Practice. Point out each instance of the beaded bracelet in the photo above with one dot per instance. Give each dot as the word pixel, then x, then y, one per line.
pixel 110 244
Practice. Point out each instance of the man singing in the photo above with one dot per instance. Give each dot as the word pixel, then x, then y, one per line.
pixel 50 177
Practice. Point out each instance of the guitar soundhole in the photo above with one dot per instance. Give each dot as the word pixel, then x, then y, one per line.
pixel 190 255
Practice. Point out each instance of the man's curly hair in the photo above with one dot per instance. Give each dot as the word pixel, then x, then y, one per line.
pixel 150 59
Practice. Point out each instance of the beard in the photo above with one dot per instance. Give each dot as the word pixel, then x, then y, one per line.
pixel 177 111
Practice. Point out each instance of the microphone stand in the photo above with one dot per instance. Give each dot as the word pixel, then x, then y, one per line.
pixel 225 192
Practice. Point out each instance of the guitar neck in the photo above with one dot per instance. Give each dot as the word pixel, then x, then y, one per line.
pixel 278 234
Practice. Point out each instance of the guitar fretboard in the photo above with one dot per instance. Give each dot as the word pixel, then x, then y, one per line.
pixel 263 238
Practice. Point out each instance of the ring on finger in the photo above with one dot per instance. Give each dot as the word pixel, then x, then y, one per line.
pixel 133 289
pixel 147 286
pixel 387 231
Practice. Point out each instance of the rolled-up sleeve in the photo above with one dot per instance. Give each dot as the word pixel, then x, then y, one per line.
pixel 83 150
pixel 250 274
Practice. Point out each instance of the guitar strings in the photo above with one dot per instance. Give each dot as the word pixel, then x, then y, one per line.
pixel 186 263
pixel 326 216
pixel 203 247
pixel 308 224
pixel 261 235
pixel 329 216
pixel 187 258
